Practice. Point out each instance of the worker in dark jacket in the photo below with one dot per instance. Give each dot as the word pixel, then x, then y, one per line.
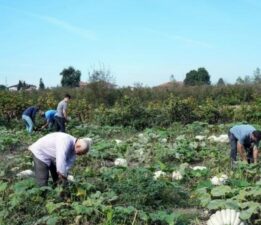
pixel 29 117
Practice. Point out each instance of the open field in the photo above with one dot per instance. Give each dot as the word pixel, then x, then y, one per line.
pixel 103 193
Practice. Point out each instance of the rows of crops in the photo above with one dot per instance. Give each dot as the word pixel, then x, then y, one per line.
pixel 131 193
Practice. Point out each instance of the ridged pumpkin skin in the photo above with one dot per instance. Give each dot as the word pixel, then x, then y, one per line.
pixel 225 217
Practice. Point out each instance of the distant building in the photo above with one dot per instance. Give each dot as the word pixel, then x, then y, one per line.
pixel 28 87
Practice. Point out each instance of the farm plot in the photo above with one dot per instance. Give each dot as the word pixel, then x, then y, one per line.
pixel 178 175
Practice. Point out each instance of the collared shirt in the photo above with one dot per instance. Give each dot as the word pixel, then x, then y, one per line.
pixel 62 106
pixel 31 112
pixel 49 115
pixel 56 147
pixel 243 134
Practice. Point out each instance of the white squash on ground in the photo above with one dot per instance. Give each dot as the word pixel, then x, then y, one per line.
pixel 199 168
pixel 70 178
pixel 200 137
pixel 164 140
pixel 159 174
pixel 180 137
pixel 14 169
pixel 225 217
pixel 120 162
pixel 219 180
pixel 176 175
pixel 25 174
pixel 118 141
pixel 223 138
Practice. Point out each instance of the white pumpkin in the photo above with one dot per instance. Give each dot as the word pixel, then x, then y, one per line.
pixel 118 141
pixel 120 162
pixel 223 138
pixel 25 174
pixel 70 178
pixel 225 217
pixel 219 180
pixel 176 175
pixel 159 174
pixel 200 137
pixel 199 168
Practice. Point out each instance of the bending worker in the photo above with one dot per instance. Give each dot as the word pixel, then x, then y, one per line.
pixel 49 118
pixel 29 117
pixel 56 152
pixel 244 139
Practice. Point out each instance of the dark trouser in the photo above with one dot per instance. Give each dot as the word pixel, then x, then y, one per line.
pixel 250 158
pixel 233 153
pixel 233 145
pixel 59 124
pixel 42 172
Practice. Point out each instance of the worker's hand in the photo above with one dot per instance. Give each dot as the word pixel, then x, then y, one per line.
pixel 67 119
pixel 61 179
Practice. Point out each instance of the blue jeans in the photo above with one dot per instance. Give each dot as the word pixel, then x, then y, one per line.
pixel 28 123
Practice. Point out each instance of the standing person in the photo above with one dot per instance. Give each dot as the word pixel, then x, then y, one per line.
pixel 28 117
pixel 56 152
pixel 61 114
pixel 244 138
pixel 49 117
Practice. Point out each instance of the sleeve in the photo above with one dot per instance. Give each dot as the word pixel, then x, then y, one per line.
pixel 62 147
pixel 65 106
pixel 70 162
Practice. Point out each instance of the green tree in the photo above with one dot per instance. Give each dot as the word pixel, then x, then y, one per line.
pixel 2 87
pixel 101 75
pixel 197 77
pixel 248 79
pixel 239 80
pixel 221 82
pixel 257 76
pixel 70 77
pixel 172 78
pixel 20 85
pixel 41 84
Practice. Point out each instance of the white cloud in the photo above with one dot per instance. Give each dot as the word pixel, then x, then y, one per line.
pixel 62 24
pixel 68 27
pixel 184 40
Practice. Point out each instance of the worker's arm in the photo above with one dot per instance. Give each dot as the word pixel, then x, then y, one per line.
pixel 65 114
pixel 65 111
pixel 45 125
pixel 62 147
pixel 241 151
pixel 255 154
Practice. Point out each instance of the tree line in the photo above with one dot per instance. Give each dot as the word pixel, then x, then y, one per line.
pixel 71 77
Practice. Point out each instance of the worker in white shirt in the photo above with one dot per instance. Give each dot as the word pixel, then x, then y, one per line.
pixel 56 152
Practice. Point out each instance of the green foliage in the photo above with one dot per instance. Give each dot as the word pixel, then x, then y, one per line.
pixel 70 77
pixel 41 84
pixel 197 77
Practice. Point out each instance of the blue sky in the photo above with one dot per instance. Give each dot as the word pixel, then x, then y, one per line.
pixel 141 41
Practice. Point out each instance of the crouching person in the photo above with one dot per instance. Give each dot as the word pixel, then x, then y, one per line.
pixel 56 152
pixel 244 139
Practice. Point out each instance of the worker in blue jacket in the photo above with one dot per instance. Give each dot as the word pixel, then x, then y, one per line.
pixel 49 118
